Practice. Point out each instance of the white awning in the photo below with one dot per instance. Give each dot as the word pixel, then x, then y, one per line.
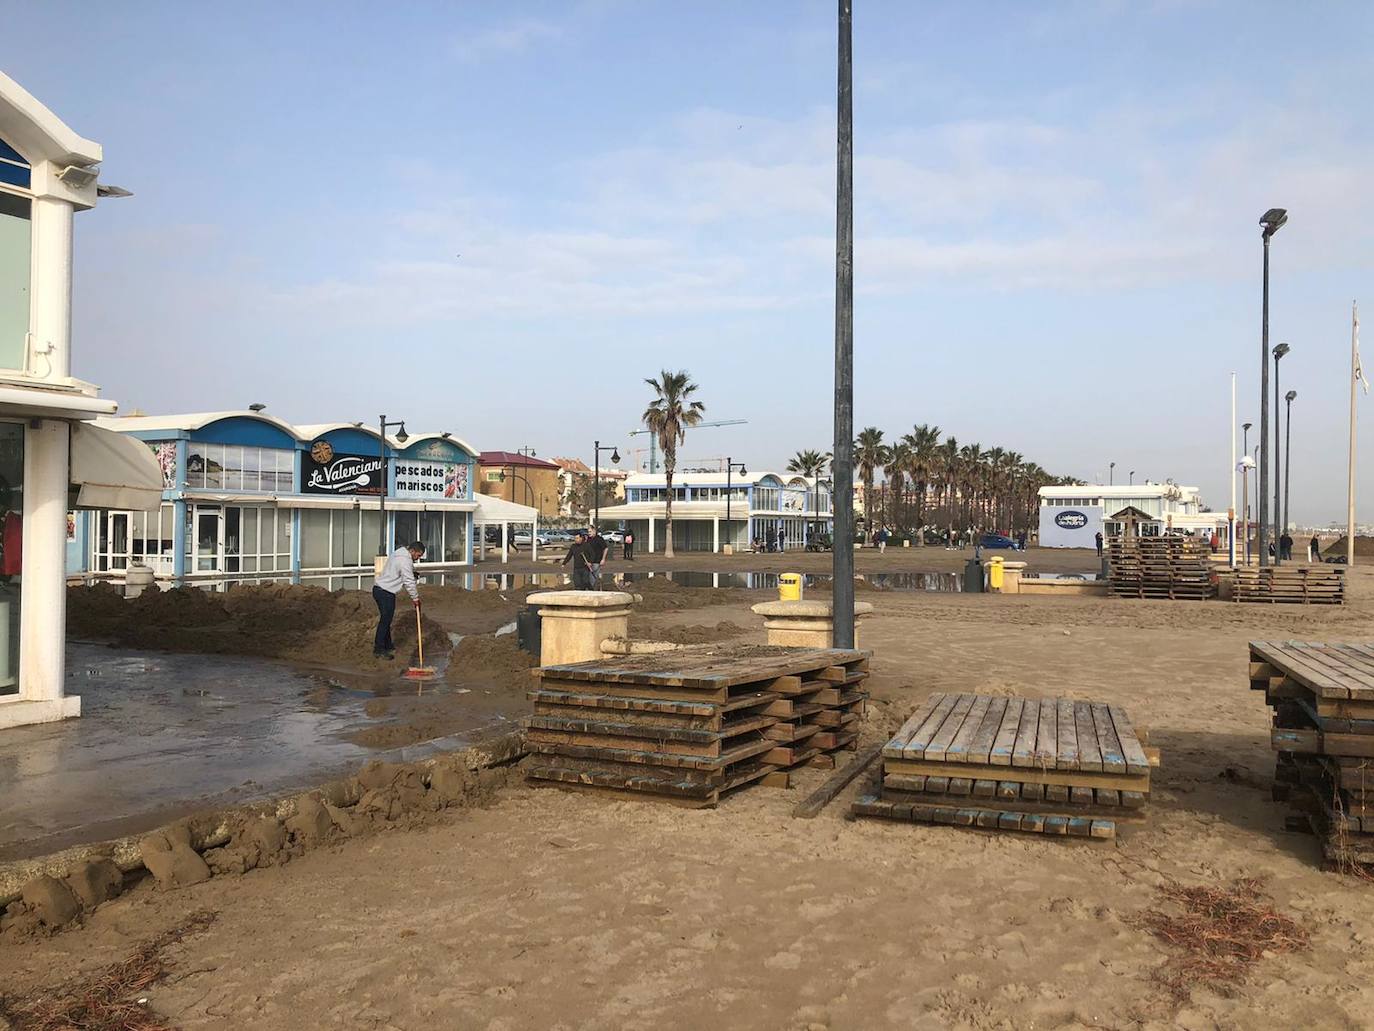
pixel 498 510
pixel 112 470
pixel 320 501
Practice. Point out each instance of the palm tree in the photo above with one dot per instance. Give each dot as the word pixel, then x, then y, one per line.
pixel 895 470
pixel 668 418
pixel 949 472
pixel 810 464
pixel 869 453
pixel 923 444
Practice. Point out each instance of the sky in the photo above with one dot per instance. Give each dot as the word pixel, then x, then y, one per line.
pixel 499 219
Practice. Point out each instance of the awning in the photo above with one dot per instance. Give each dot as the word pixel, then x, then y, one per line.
pixel 498 510
pixel 322 501
pixel 113 470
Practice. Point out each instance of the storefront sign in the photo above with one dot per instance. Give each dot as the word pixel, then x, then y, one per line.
pixel 165 451
pixel 325 471
pixel 431 480
pixel 1071 520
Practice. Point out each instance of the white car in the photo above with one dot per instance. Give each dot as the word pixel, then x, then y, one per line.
pixel 613 537
pixel 523 537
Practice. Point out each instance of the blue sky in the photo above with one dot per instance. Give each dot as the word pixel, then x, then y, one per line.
pixel 498 219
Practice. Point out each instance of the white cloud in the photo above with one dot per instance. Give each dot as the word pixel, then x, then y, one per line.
pixel 502 40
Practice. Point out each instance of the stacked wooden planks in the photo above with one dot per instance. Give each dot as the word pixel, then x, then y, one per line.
pixel 1294 585
pixel 1049 765
pixel 691 724
pixel 1160 567
pixel 1323 733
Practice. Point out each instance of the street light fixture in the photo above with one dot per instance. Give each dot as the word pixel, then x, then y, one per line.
pixel 1132 479
pixel 1272 221
pixel 596 479
pixel 401 437
pixel 1111 473
pixel 1288 456
pixel 730 466
pixel 1279 351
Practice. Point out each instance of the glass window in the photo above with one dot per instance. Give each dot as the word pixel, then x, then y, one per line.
pixel 214 466
pixel 372 522
pixel 314 538
pixel 407 527
pixel 15 250
pixel 252 467
pixel 455 537
pixel 350 556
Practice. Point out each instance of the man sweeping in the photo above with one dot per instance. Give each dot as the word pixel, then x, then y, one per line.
pixel 397 574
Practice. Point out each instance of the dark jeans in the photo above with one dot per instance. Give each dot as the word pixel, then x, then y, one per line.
pixel 386 612
pixel 628 551
pixel 582 578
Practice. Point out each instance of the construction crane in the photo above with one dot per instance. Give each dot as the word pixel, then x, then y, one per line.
pixel 653 440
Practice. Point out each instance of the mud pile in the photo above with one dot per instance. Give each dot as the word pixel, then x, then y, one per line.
pixel 663 595
pixel 281 621
pixel 724 630
pixel 1364 547
pixel 491 662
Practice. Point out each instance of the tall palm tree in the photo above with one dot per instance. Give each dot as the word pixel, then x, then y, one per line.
pixel 869 454
pixel 668 418
pixel 895 471
pixel 949 473
pixel 922 443
pixel 810 464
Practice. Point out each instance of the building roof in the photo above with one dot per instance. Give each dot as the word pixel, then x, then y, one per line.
pixel 716 479
pixel 513 458
pixel 419 438
pixel 572 465
pixel 1119 490
pixel 37 133
pixel 190 421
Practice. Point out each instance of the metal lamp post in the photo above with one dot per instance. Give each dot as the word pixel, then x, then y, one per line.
pixel 730 466
pixel 1279 351
pixel 1272 221
pixel 1287 454
pixel 842 465
pixel 596 478
pixel 1245 490
pixel 401 437
pixel 1131 482
pixel 1245 465
pixel 1111 474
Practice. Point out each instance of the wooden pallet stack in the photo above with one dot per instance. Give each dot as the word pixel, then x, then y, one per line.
pixel 1171 566
pixel 1292 585
pixel 1050 766
pixel 1323 733
pixel 691 724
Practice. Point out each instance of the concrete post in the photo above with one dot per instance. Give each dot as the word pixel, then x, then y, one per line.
pixel 805 624
pixel 575 623
pixel 51 287
pixel 651 535
pixel 715 535
pixel 42 597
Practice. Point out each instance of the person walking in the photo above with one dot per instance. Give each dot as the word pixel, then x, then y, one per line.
pixel 597 549
pixel 782 538
pixel 772 540
pixel 1314 549
pixel 580 558
pixel 1286 546
pixel 882 539
pixel 628 548
pixel 1099 543
pixel 1214 542
pixel 398 574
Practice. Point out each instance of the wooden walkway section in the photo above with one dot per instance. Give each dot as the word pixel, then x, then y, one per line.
pixel 691 724
pixel 1291 585
pixel 1323 736
pixel 1046 765
pixel 1171 566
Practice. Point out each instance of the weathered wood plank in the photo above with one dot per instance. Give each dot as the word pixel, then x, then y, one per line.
pixel 1005 741
pixel 1089 753
pixel 939 744
pixel 1023 751
pixel 973 723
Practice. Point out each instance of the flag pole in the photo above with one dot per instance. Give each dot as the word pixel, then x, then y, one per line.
pixel 1356 374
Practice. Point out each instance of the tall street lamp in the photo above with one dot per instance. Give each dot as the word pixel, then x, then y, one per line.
pixel 1245 490
pixel 596 478
pixel 1279 351
pixel 1245 465
pixel 1287 454
pixel 1132 479
pixel 1111 473
pixel 401 437
pixel 1272 221
pixel 730 466
pixel 842 465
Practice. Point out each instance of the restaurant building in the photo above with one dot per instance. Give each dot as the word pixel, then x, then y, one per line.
pixel 1072 516
pixel 51 460
pixel 249 498
pixel 521 479
pixel 710 511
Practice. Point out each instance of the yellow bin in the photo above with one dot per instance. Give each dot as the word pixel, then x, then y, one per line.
pixel 995 572
pixel 790 587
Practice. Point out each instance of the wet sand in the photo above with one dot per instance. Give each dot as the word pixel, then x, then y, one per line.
pixel 556 909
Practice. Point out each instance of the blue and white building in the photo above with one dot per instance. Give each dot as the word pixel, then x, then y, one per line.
pixel 1073 516
pixel 249 498
pixel 710 511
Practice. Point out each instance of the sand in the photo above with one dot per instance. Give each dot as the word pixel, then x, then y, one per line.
pixel 556 909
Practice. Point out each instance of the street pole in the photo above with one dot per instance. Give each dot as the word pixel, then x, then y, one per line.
pixel 1264 416
pixel 1231 514
pixel 1278 525
pixel 842 566
pixel 596 484
pixel 1356 374
pixel 1288 457
pixel 381 452
pixel 729 470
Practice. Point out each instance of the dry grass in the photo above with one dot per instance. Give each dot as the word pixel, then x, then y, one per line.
pixel 1219 935
pixel 109 1000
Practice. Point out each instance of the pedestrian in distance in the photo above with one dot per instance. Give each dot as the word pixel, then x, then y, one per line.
pixel 1286 546
pixel 1314 549
pixel 1214 542
pixel 628 548
pixel 782 538
pixel 882 539
pixel 1099 543
pixel 772 540
pixel 597 550
pixel 1021 541
pixel 398 574
pixel 580 558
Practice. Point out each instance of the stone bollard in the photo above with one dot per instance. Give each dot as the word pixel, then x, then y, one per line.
pixel 1011 576
pixel 806 624
pixel 574 623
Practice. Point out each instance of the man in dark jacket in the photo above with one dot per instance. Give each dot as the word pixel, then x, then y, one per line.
pixel 580 558
pixel 596 554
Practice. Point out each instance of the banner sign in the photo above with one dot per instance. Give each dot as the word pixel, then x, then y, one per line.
pixel 431 480
pixel 325 471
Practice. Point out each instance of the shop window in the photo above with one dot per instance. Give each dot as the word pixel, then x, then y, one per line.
pixel 11 549
pixel 239 469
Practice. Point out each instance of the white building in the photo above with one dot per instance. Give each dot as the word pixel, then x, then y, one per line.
pixel 1071 517
pixel 711 510
pixel 47 174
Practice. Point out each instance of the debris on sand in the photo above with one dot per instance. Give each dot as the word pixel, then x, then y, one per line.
pixel 724 630
pixel 112 999
pixel 660 594
pixel 1221 934
pixel 491 662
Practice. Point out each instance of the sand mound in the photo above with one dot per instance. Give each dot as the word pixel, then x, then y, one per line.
pixel 282 621
pixel 689 634
pixel 491 662
pixel 1364 547
pixel 663 595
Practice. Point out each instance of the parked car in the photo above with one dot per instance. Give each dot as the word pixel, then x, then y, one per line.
pixel 997 540
pixel 523 537
pixel 613 536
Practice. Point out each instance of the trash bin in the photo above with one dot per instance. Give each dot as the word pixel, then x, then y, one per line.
pixel 995 573
pixel 973 576
pixel 529 630
pixel 790 587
